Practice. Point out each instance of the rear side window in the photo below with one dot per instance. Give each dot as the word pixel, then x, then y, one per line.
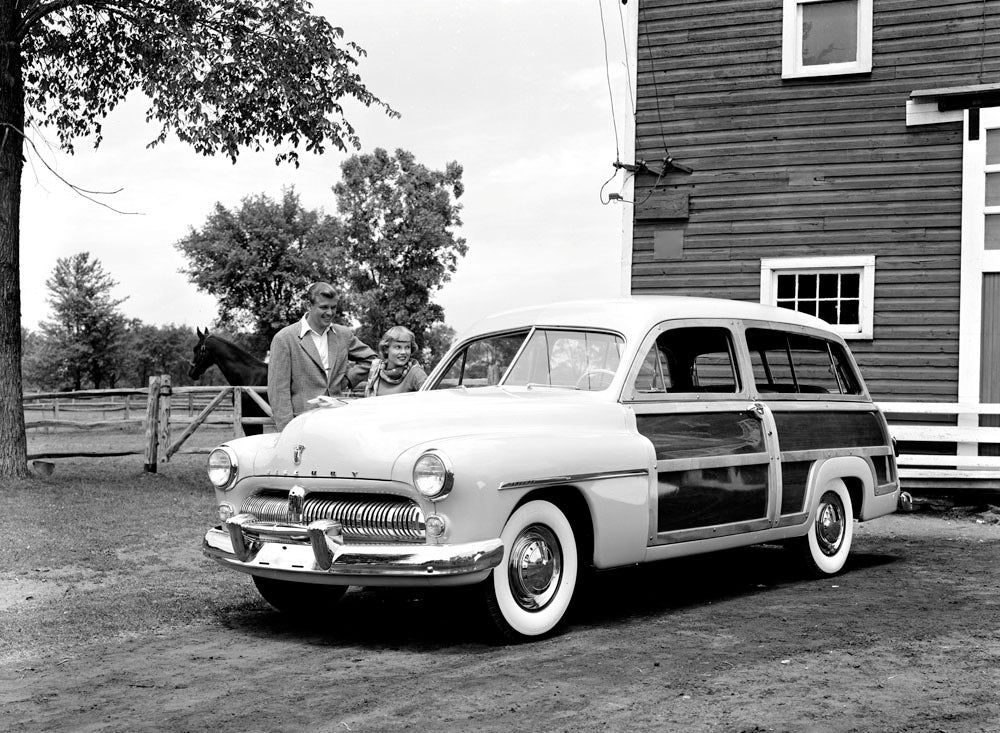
pixel 688 360
pixel 798 364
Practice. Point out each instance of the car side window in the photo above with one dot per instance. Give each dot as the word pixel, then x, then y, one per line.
pixel 481 363
pixel 785 362
pixel 689 360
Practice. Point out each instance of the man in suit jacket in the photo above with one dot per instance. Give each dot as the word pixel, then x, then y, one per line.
pixel 313 357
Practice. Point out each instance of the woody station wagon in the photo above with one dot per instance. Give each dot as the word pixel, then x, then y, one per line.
pixel 554 440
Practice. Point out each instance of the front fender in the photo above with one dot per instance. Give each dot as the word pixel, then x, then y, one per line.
pixel 495 472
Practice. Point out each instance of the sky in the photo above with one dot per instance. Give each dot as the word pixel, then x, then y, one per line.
pixel 516 91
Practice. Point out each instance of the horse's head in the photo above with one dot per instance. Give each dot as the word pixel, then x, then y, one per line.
pixel 203 356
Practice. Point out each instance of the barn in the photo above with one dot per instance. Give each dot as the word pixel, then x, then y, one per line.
pixel 842 158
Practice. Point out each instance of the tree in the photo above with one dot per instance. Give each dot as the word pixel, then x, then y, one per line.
pixel 398 218
pixel 258 260
pixel 437 340
pixel 85 338
pixel 152 350
pixel 222 75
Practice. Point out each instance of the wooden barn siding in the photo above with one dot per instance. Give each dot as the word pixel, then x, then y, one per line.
pixel 822 166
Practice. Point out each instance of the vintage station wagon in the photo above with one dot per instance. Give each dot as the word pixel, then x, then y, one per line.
pixel 554 440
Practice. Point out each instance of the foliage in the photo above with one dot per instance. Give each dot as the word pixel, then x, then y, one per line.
pixel 398 218
pixel 85 338
pixel 437 340
pixel 259 259
pixel 152 350
pixel 221 74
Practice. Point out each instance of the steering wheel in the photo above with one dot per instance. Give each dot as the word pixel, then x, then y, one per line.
pixel 585 377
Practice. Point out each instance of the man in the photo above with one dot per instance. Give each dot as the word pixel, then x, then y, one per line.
pixel 313 357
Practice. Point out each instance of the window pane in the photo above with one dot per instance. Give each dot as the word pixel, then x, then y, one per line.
pixel 786 286
pixel 850 285
pixel 818 367
pixel 992 231
pixel 992 146
pixel 807 286
pixel 828 311
pixel 850 312
pixel 573 359
pixel 993 189
pixel 828 285
pixel 808 306
pixel 481 363
pixel 692 360
pixel 829 32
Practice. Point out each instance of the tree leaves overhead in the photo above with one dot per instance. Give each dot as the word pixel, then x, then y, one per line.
pixel 220 74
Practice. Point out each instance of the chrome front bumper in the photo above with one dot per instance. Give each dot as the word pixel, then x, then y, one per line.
pixel 316 553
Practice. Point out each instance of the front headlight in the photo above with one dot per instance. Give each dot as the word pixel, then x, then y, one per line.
pixel 222 468
pixel 432 475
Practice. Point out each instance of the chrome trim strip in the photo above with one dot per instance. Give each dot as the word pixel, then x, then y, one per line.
pixel 822 453
pixel 883 489
pixel 789 520
pixel 298 562
pixel 537 483
pixel 706 533
pixel 689 464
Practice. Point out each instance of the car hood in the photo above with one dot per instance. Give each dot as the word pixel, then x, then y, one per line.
pixel 363 438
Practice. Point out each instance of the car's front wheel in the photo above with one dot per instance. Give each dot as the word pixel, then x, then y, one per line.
pixel 299 599
pixel 528 594
pixel 825 548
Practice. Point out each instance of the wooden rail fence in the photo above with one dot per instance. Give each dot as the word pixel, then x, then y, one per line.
pixel 158 420
pixel 944 445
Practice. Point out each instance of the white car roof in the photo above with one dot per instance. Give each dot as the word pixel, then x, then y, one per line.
pixel 633 316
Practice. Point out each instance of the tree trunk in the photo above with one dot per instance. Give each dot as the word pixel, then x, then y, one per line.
pixel 13 445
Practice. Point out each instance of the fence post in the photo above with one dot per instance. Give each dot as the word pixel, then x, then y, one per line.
pixel 238 412
pixel 152 417
pixel 163 420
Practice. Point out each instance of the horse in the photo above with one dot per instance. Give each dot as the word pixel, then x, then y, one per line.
pixel 239 367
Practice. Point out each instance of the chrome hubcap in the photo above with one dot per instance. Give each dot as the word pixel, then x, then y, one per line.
pixel 830 524
pixel 535 567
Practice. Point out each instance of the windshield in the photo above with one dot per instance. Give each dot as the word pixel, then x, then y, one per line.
pixel 575 359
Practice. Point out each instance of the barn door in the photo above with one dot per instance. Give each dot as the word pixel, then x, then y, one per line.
pixel 979 355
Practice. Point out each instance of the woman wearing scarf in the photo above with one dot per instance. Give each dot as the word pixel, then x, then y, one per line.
pixel 395 371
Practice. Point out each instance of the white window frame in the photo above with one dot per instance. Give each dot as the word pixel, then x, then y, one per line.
pixel 863 265
pixel 791 43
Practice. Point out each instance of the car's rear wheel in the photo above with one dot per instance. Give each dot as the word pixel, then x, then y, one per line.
pixel 299 599
pixel 527 595
pixel 825 548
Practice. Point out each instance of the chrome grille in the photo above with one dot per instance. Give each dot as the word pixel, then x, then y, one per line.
pixel 365 517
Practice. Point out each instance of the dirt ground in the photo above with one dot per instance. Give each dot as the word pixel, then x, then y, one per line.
pixel 907 639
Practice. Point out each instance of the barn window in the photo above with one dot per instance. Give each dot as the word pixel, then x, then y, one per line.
pixel 840 290
pixel 826 37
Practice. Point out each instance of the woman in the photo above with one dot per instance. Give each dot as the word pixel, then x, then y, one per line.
pixel 395 370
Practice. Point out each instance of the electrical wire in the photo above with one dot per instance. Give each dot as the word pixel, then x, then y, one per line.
pixel 628 71
pixel 607 73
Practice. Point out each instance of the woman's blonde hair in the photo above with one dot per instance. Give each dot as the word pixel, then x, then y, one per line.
pixel 397 333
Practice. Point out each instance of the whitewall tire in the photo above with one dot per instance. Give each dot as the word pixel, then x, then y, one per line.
pixel 528 594
pixel 825 548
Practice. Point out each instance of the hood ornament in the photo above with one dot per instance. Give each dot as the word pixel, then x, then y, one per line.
pixel 297 454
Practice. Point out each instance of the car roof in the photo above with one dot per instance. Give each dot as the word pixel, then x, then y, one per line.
pixel 635 315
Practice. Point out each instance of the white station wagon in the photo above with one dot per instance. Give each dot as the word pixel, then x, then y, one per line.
pixel 554 440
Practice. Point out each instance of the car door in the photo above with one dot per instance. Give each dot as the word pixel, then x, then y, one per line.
pixel 716 462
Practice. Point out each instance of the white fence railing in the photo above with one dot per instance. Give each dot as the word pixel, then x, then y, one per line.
pixel 942 444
